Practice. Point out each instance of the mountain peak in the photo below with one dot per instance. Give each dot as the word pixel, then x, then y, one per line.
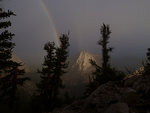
pixel 84 51
pixel 83 60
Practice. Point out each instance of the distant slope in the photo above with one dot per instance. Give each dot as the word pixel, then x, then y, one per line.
pixel 79 71
pixel 17 59
pixel 76 78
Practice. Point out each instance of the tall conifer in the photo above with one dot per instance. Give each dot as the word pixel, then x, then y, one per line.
pixel 104 73
pixel 9 69
pixel 147 65
pixel 54 66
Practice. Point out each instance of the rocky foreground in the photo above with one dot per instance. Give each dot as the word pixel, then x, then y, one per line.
pixel 131 95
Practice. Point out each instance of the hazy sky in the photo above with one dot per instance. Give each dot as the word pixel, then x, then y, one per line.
pixel 129 21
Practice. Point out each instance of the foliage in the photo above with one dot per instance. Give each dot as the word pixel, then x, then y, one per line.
pixel 9 69
pixel 54 66
pixel 105 32
pixel 147 65
pixel 104 73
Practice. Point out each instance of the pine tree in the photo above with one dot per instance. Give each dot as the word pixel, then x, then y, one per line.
pixel 45 87
pixel 9 69
pixel 105 32
pixel 53 68
pixel 104 73
pixel 6 45
pixel 147 65
pixel 60 64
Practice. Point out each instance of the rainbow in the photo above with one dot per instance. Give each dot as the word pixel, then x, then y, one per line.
pixel 51 21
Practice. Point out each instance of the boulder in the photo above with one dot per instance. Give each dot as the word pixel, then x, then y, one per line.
pixel 118 108
pixel 101 98
pixel 128 96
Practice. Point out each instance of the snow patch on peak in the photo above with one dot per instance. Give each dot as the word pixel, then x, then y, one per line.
pixel 83 60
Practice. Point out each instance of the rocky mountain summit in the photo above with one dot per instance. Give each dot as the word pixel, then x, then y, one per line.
pixel 83 61
pixel 78 72
pixel 80 65
pixel 131 95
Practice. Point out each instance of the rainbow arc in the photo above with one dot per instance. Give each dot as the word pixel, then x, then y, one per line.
pixel 51 21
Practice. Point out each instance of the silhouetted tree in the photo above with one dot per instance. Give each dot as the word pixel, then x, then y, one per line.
pixel 6 45
pixel 60 64
pixel 147 65
pixel 104 73
pixel 105 32
pixel 45 86
pixel 55 64
pixel 9 69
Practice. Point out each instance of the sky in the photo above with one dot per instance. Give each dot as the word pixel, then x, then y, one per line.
pixel 37 22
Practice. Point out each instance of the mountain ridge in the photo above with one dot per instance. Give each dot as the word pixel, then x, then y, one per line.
pixel 79 70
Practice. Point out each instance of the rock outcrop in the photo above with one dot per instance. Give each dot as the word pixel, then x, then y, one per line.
pixel 131 95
